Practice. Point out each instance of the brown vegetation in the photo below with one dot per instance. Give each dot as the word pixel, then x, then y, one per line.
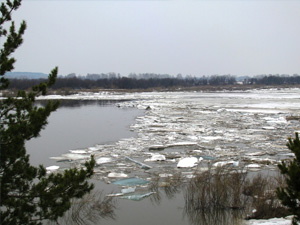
pixel 232 194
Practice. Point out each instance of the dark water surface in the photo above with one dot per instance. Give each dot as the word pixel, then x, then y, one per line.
pixel 80 124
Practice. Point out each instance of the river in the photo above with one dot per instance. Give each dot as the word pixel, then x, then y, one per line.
pixel 244 129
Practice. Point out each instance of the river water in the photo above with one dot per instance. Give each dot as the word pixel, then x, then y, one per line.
pixel 81 124
pixel 245 129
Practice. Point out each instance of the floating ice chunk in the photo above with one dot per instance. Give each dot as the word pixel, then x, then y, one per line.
pixel 218 148
pixel 255 153
pixel 253 166
pixel 190 176
pixel 287 154
pixel 275 120
pixel 131 182
pixel 211 138
pixel 142 165
pixel 137 197
pixel 52 168
pixel 103 160
pixel 114 175
pixel 235 163
pixel 164 175
pixel 268 128
pixel 192 137
pixel 187 162
pixel 92 149
pixel 128 190
pixel 198 151
pixel 78 151
pixel 115 195
pixel 207 157
pixel 221 110
pixel 73 156
pixel 264 160
pixel 224 163
pixel 156 157
pixel 187 143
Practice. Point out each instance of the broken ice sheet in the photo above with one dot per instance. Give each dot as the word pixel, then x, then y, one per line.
pixel 103 160
pixel 142 165
pixel 137 197
pixel 210 125
pixel 225 163
pixel 78 151
pixel 128 190
pixel 73 156
pixel 156 157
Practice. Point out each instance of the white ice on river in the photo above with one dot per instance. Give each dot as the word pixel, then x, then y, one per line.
pixel 247 129
pixel 238 127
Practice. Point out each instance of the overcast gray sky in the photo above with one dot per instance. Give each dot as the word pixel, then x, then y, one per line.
pixel 189 37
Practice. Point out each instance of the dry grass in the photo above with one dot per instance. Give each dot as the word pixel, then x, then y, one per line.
pixel 233 193
pixel 216 190
pixel 264 201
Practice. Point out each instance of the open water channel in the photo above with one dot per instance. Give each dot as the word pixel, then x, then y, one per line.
pixel 155 136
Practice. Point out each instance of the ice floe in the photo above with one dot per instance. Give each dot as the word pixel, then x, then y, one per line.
pixel 51 169
pixel 225 163
pixel 79 151
pixel 142 165
pixel 103 160
pixel 188 162
pixel 253 166
pixel 156 157
pixel 137 197
pixel 128 190
pixel 115 175
pixel 75 156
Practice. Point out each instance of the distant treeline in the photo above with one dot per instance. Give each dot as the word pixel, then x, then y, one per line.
pixel 156 82
pixel 273 80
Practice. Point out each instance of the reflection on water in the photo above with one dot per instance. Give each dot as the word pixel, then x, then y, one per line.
pixel 80 124
pixel 165 187
pixel 216 197
pixel 75 103
pixel 209 217
pixel 89 210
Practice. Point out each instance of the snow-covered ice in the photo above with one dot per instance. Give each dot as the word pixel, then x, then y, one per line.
pixel 52 168
pixel 273 221
pixel 103 160
pixel 115 175
pixel 187 162
pixel 156 157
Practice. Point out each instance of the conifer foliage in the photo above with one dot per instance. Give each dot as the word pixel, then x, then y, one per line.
pixel 28 194
pixel 290 194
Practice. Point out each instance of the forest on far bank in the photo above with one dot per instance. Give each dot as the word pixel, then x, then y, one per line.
pixel 113 81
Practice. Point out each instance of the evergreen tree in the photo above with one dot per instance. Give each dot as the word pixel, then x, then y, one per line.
pixel 290 194
pixel 28 194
